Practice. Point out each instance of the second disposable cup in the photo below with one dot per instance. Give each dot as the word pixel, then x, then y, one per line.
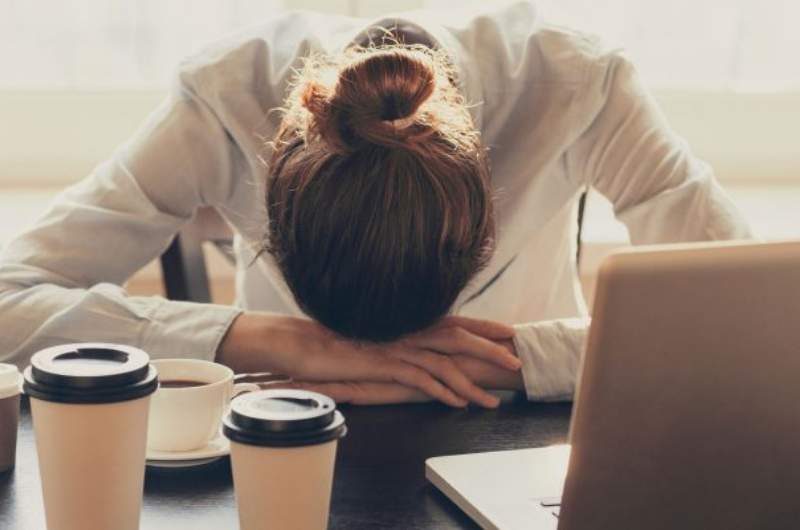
pixel 89 404
pixel 283 451
pixel 10 379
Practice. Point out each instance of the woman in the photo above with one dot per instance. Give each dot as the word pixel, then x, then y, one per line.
pixel 401 183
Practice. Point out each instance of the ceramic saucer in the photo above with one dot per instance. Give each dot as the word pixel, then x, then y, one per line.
pixel 214 450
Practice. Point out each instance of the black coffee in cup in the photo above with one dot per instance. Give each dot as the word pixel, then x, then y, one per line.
pixel 283 450
pixel 181 383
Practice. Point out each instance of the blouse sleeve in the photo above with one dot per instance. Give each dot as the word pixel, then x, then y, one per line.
pixel 61 280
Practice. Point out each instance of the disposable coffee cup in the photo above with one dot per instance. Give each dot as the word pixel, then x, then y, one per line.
pixel 10 380
pixel 283 451
pixel 89 404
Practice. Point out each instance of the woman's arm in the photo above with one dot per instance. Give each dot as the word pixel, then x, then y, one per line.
pixel 485 374
pixel 658 188
pixel 450 361
pixel 61 280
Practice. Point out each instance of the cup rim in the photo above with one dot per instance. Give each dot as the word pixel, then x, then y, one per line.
pixel 229 376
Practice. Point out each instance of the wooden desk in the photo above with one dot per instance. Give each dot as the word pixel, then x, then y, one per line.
pixel 380 474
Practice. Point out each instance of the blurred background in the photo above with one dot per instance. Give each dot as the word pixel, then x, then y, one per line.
pixel 78 77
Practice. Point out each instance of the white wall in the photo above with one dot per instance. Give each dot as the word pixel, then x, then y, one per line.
pixel 54 138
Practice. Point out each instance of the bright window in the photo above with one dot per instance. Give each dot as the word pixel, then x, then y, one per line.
pixel 133 44
pixel 710 44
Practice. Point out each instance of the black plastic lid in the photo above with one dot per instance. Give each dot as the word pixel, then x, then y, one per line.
pixel 283 418
pixel 90 373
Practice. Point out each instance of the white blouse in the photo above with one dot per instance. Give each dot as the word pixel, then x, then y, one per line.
pixel 557 110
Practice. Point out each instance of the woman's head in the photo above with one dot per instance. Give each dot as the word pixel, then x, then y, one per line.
pixel 378 192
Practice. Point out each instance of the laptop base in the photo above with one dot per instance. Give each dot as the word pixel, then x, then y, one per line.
pixel 503 490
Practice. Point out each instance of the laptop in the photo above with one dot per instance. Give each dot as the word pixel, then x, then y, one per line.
pixel 687 411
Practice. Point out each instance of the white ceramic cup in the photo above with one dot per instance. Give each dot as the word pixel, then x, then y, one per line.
pixel 187 418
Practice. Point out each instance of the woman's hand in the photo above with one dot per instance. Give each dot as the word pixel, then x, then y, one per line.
pixel 362 392
pixel 306 351
pixel 482 373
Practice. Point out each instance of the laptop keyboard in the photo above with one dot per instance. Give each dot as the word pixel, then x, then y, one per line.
pixel 551 503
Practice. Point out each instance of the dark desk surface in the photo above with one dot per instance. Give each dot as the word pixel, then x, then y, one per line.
pixel 380 472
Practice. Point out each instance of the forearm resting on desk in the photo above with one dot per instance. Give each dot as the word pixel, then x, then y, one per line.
pixel 481 373
pixel 428 363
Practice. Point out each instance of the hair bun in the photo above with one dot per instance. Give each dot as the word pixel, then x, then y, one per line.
pixel 376 99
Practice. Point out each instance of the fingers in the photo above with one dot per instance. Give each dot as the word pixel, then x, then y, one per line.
pixel 449 373
pixel 485 328
pixel 339 392
pixel 387 368
pixel 410 375
pixel 365 393
pixel 341 362
pixel 459 341
pixel 374 364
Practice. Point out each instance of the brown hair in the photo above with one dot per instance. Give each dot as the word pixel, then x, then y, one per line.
pixel 378 191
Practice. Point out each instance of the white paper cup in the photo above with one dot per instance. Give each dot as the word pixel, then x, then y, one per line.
pixel 283 452
pixel 184 419
pixel 89 404
pixel 91 462
pixel 283 487
pixel 10 380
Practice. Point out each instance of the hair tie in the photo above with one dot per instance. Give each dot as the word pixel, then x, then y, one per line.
pixel 401 123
